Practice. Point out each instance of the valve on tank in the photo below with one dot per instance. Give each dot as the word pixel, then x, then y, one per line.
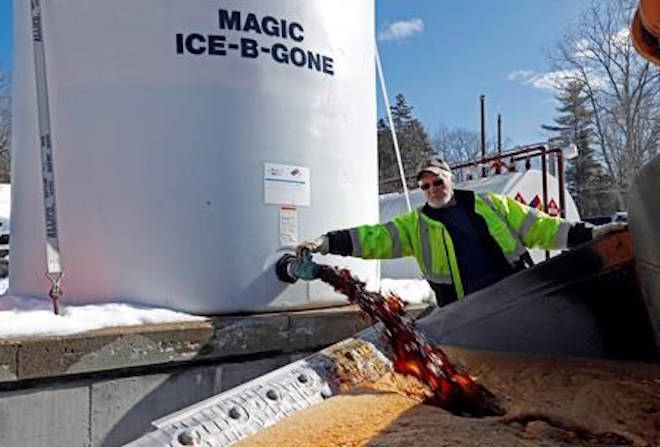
pixel 289 268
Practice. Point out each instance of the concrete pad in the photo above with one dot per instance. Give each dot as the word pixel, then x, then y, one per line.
pixel 53 417
pixel 304 333
pixel 249 335
pixel 214 339
pixel 111 349
pixel 122 409
pixel 8 361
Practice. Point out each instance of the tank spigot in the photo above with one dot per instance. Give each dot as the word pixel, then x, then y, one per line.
pixel 289 268
pixel 285 268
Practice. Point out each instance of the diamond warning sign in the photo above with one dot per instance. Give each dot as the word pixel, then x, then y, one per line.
pixel 553 209
pixel 536 203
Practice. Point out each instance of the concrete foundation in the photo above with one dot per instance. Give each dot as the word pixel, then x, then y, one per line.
pixel 104 388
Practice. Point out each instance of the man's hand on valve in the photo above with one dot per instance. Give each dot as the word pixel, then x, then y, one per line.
pixel 306 268
pixel 319 245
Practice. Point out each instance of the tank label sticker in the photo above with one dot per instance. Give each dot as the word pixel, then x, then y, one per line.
pixel 288 226
pixel 290 50
pixel 286 185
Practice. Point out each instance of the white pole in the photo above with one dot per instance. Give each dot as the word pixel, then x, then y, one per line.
pixel 391 121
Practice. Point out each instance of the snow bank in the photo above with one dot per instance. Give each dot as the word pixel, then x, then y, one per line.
pixel 21 316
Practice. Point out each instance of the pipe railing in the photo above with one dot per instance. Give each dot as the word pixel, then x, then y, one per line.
pixel 526 153
pixel 542 150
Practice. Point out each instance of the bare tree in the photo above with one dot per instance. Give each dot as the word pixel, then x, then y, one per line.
pixel 456 145
pixel 623 89
pixel 5 126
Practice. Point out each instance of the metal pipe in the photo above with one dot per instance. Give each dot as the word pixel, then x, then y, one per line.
pixel 499 133
pixel 560 180
pixel 482 98
pixel 525 150
pixel 544 174
pixel 524 157
pixel 516 155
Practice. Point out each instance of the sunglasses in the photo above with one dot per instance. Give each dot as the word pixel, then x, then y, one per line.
pixel 438 182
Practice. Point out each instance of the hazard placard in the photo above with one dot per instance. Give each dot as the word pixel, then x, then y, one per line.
pixel 536 203
pixel 520 198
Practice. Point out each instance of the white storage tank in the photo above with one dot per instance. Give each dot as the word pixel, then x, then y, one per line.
pixel 192 141
pixel 526 187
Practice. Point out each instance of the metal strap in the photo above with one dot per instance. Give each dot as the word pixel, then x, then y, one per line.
pixel 53 256
pixel 396 243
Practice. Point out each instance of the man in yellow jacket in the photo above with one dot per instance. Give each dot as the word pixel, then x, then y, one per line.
pixel 462 240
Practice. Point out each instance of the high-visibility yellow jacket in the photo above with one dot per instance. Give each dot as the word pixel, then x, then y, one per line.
pixel 513 226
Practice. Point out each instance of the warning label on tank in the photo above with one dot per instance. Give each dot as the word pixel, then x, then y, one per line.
pixel 248 35
pixel 288 225
pixel 286 184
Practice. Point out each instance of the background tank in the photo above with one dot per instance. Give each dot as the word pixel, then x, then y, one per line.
pixel 180 129
pixel 525 186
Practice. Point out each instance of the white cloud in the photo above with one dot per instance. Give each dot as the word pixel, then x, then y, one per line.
pixel 402 29
pixel 551 80
pixel 584 49
pixel 623 36
pixel 519 75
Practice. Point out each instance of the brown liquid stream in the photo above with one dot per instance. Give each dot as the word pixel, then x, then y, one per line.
pixel 453 390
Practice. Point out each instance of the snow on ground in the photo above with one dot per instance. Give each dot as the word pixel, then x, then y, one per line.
pixel 411 291
pixel 23 316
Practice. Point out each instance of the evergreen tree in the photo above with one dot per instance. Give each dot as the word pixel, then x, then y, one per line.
pixel 413 141
pixel 585 178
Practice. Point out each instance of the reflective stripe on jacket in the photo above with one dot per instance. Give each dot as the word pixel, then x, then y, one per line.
pixel 513 225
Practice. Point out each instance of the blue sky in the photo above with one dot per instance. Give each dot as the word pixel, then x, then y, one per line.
pixel 443 54
pixel 5 33
pixel 468 48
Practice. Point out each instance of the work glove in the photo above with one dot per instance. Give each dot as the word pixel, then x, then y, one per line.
pixel 319 245
pixel 306 268
pixel 602 230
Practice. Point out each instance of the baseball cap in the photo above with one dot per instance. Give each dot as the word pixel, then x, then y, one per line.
pixel 432 165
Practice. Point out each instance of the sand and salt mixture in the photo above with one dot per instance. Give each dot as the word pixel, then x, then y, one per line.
pixel 548 401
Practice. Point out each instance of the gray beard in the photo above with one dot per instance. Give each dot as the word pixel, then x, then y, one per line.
pixel 451 202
